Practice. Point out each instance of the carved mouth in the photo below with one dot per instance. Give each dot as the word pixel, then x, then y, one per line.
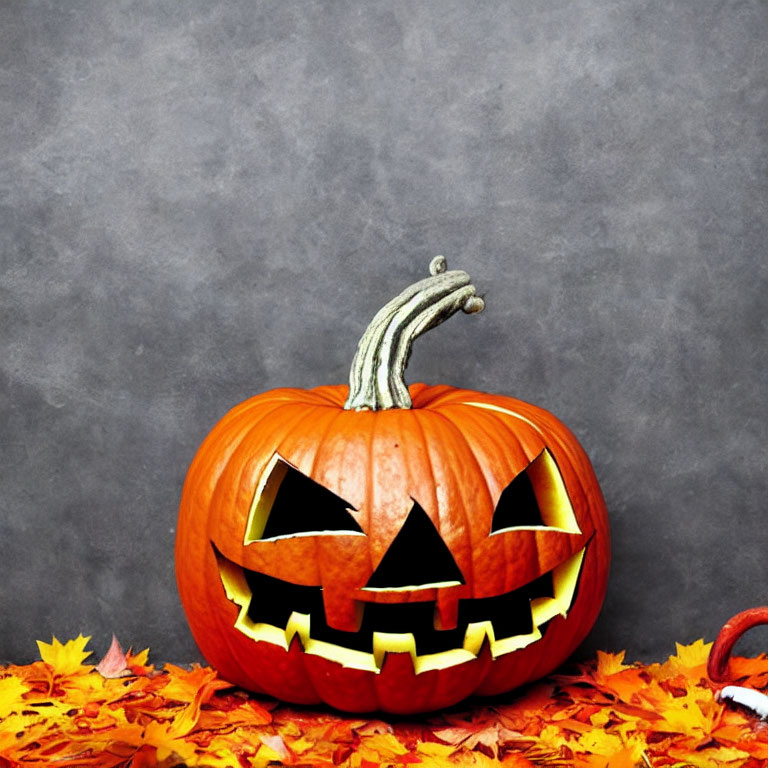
pixel 276 611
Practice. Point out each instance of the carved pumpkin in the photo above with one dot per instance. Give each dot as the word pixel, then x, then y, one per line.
pixel 385 547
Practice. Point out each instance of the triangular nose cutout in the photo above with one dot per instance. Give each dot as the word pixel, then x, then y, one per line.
pixel 417 558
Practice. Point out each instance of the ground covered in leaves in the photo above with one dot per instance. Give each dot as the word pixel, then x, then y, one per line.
pixel 60 711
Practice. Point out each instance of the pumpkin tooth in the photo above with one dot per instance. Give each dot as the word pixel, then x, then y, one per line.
pixel 514 643
pixel 347 657
pixel 565 577
pixel 446 613
pixel 476 634
pixel 392 642
pixel 298 624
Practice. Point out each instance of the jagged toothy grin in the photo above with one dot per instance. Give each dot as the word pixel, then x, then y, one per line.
pixel 275 611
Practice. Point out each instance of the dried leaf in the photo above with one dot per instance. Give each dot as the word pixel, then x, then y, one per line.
pixel 455 735
pixel 114 664
pixel 276 746
pixel 606 714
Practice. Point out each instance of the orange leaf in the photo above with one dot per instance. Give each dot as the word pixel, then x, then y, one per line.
pixel 609 714
pixel 184 685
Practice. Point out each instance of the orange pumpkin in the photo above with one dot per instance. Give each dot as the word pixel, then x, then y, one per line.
pixel 386 547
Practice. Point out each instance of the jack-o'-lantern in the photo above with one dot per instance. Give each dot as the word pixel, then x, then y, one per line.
pixel 386 547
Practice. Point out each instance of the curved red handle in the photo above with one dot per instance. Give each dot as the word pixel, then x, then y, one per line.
pixel 733 629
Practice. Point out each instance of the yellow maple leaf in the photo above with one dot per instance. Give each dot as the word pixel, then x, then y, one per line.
pixel 599 742
pixel 166 742
pixel 11 691
pixel 690 656
pixel 219 754
pixel 66 659
pixel 610 663
pixel 624 758
pixel 301 745
pixel 381 747
pixel 552 737
pixel 692 714
pixel 478 759
pixel 139 659
pixel 717 757
pixel 435 750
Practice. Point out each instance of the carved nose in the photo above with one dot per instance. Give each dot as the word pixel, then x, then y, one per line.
pixel 417 558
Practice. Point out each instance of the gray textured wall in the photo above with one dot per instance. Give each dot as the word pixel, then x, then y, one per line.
pixel 200 201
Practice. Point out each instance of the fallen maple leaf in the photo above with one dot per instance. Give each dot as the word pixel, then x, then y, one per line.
pixel 114 664
pixel 11 691
pixel 609 664
pixel 66 659
pixel 167 743
pixel 186 720
pixel 490 737
pixel 608 714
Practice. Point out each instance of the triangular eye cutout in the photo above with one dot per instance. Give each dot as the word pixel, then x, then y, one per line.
pixel 417 558
pixel 288 503
pixel 536 498
pixel 517 505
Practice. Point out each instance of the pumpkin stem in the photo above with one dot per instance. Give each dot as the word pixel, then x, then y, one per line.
pixel 377 377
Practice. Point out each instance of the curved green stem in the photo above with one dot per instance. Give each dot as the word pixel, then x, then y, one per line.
pixel 377 376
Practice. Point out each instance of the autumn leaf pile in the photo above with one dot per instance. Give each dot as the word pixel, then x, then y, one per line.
pixel 60 711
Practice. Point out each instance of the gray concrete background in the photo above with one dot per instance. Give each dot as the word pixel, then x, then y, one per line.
pixel 200 201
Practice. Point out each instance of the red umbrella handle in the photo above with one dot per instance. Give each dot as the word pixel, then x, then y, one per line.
pixel 734 628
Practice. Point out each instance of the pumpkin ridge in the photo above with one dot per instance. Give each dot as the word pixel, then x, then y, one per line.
pixel 221 434
pixel 443 395
pixel 470 577
pixel 470 448
pixel 515 439
pixel 469 410
pixel 224 632
pixel 475 414
pixel 427 397
pixel 567 443
pixel 294 395
pixel 331 394
pixel 370 488
pixel 209 454
pixel 313 466
pixel 426 453
pixel 548 436
pixel 246 438
pixel 469 414
pixel 321 440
